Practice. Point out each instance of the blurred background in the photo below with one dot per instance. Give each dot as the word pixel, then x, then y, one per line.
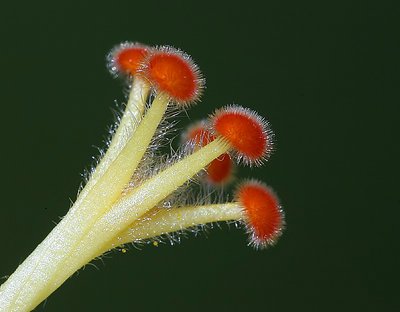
pixel 325 74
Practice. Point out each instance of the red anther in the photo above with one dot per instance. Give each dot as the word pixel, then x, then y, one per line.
pixel 129 60
pixel 173 72
pixel 126 58
pixel 265 216
pixel 199 134
pixel 247 132
pixel 219 171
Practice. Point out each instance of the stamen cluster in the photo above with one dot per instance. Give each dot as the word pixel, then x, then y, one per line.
pixel 136 194
pixel 246 136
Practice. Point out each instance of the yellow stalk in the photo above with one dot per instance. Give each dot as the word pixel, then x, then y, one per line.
pixel 31 282
pixel 132 206
pixel 159 221
pixel 131 118
pixel 129 122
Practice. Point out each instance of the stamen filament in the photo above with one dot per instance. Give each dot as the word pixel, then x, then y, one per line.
pixel 134 111
pixel 129 122
pixel 135 204
pixel 161 221
pixel 48 258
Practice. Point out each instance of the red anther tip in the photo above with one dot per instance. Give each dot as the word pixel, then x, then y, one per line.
pixel 247 132
pixel 198 134
pixel 126 58
pixel 173 72
pixel 220 170
pixel 264 213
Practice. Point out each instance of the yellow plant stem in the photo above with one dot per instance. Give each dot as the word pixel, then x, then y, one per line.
pixel 134 110
pixel 159 221
pixel 131 118
pixel 129 208
pixel 31 282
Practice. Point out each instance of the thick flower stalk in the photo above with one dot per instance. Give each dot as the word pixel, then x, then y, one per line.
pixel 136 194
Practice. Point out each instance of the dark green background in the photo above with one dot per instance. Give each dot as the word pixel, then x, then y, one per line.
pixel 326 76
